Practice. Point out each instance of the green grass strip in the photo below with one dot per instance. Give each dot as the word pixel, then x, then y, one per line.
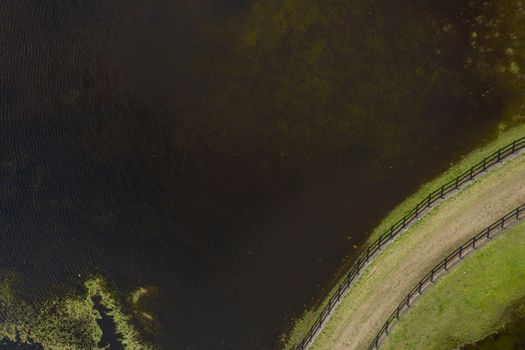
pixel 469 302
pixel 455 170
pixel 303 324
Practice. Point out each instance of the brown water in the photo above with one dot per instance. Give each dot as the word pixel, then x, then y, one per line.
pixel 232 153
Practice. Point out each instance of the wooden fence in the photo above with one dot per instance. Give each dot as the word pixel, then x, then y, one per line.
pixel 420 209
pixel 443 267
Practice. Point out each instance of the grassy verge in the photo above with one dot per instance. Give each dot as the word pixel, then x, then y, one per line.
pixel 503 139
pixel 385 282
pixel 302 325
pixel 470 302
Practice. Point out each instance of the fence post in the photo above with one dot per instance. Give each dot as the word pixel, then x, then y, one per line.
pixel 397 313
pixel 417 210
pixel 442 188
pixel 484 163
pixel 513 146
pixel 471 173
pixel 428 205
pixel 404 220
pixel 457 182
pixel 499 153
pixel 367 253
pixel 391 231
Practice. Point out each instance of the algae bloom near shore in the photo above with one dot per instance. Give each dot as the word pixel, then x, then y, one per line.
pixel 68 323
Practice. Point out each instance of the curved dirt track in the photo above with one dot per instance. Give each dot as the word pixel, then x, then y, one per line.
pixel 392 274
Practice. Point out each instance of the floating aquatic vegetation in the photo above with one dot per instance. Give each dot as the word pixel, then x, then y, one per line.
pixel 497 38
pixel 138 299
pixel 131 338
pixel 136 295
pixel 64 323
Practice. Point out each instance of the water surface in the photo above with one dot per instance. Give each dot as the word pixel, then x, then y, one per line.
pixel 231 154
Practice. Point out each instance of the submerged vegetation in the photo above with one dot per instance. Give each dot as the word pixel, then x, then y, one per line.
pixel 68 323
pixel 395 82
pixel 137 301
pixel 130 337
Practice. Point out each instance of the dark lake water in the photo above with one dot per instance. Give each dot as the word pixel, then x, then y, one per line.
pixel 229 154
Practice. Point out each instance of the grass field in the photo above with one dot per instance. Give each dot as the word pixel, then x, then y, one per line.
pixel 302 325
pixel 470 302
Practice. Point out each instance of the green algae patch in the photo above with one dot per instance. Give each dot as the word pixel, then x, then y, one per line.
pixel 137 298
pixel 66 323
pixel 130 337
pixel 136 295
pixel 472 301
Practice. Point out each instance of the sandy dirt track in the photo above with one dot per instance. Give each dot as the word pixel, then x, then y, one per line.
pixel 392 274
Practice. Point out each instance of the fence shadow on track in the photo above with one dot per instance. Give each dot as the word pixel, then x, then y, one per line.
pixel 420 209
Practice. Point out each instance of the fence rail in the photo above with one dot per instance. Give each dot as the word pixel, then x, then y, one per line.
pixel 394 230
pixel 443 267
